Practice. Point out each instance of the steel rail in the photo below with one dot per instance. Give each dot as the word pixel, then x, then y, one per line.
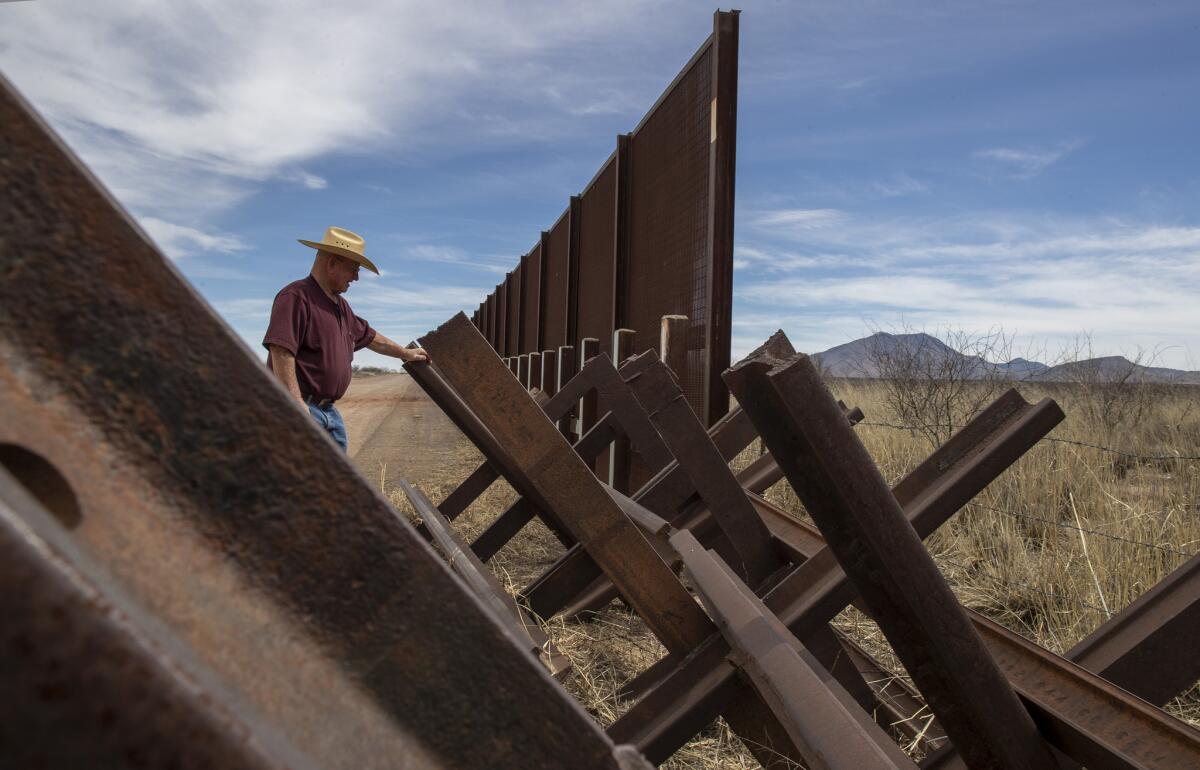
pixel 825 723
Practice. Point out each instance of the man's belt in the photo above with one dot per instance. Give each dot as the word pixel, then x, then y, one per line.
pixel 320 403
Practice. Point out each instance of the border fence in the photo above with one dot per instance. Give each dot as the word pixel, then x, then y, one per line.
pixel 650 235
pixel 179 585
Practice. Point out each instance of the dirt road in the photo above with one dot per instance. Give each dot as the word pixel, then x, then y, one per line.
pixel 395 431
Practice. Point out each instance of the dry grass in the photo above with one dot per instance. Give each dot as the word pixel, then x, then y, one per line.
pixel 1066 537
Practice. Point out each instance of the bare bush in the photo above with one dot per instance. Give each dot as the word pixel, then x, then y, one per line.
pixel 1117 394
pixel 937 382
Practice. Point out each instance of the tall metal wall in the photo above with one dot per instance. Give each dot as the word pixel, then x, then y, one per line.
pixel 650 235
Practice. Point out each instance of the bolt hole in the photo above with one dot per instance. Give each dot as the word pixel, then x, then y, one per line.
pixel 44 482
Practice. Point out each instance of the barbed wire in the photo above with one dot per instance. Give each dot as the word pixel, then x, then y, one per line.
pixel 1019 584
pixel 1065 525
pixel 1055 439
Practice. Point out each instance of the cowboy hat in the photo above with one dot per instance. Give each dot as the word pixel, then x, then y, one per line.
pixel 345 244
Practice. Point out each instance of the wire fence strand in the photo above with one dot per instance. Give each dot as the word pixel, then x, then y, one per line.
pixel 1097 533
pixel 1054 439
pixel 1020 584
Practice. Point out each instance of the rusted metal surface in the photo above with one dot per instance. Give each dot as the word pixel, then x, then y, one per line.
pixel 1149 648
pixel 695 693
pixel 834 476
pixel 76 647
pixel 556 478
pixel 753 557
pixel 824 722
pixel 523 629
pixel 272 562
pixel 430 379
pixel 666 494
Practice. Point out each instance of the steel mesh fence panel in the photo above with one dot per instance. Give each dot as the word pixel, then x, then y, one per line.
pixel 597 242
pixel 651 235
pixel 555 273
pixel 531 300
pixel 514 310
pixel 669 252
pixel 489 319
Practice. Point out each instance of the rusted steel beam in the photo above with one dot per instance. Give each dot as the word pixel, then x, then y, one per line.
pixel 626 416
pixel 670 489
pixel 76 647
pixel 730 435
pixel 503 529
pixel 898 706
pixel 1095 722
pixel 549 468
pixel 655 388
pixel 430 379
pixel 1146 649
pixel 468 491
pixel 524 630
pixel 508 524
pixel 824 722
pixel 238 541
pixel 1149 647
pixel 687 700
pixel 834 476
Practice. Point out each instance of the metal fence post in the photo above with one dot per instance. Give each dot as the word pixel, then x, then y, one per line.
pixel 672 347
pixel 620 460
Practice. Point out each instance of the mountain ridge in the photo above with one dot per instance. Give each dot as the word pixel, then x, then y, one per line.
pixel 862 358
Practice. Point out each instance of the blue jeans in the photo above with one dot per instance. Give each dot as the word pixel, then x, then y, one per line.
pixel 329 418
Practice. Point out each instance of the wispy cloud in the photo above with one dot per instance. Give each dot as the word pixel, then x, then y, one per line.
pixel 1026 163
pixel 180 241
pixel 1129 283
pixel 798 220
pixel 141 82
pixel 452 255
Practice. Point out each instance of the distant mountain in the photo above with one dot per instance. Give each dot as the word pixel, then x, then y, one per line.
pixel 1115 368
pixel 861 358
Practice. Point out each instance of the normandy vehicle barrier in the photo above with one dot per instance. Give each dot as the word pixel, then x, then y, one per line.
pixel 171 599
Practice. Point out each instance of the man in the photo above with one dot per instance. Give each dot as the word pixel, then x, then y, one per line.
pixel 313 333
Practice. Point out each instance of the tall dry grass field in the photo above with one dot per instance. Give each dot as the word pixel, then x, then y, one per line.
pixel 1061 541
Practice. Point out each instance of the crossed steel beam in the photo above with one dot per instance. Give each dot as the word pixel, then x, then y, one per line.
pixel 1098 723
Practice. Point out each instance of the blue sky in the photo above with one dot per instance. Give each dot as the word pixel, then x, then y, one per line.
pixel 1031 166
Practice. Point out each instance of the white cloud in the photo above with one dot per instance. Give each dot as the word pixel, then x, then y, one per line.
pixel 236 311
pixel 798 220
pixel 1026 163
pixel 185 108
pixel 180 241
pixel 1130 284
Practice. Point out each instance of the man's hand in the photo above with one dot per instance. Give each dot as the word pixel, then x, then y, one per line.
pixel 383 345
pixel 415 354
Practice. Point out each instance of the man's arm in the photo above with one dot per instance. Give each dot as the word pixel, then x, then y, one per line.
pixel 283 366
pixel 382 344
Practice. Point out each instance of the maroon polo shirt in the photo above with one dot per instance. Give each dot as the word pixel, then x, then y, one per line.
pixel 321 333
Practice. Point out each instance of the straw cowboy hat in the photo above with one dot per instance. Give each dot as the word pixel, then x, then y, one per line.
pixel 345 244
